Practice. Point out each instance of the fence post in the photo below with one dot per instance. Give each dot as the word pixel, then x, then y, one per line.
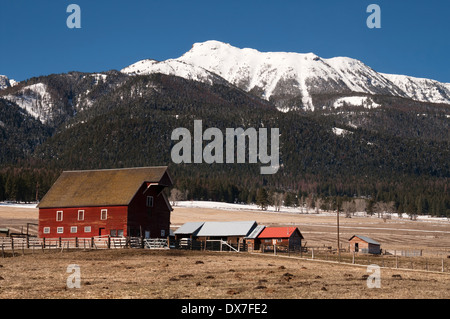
pixel 353 259
pixel 442 264
pixel 312 254
pixel 109 242
pixel 12 245
pixel 60 242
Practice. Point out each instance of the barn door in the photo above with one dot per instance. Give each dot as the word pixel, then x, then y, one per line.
pixel 102 231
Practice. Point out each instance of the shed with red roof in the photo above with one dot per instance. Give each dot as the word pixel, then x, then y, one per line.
pixel 287 237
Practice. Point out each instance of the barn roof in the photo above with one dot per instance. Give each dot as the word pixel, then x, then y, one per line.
pixel 278 232
pixel 256 231
pixel 190 228
pixel 224 229
pixel 109 187
pixel 366 239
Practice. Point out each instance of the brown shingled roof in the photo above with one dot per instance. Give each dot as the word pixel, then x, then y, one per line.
pixel 110 187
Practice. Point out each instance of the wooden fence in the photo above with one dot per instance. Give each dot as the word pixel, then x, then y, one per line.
pixel 16 244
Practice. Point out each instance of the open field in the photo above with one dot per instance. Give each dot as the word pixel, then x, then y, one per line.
pixel 431 236
pixel 134 273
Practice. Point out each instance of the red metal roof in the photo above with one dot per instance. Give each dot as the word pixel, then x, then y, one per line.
pixel 277 232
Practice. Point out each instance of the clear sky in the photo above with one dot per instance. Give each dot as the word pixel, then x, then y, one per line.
pixel 35 40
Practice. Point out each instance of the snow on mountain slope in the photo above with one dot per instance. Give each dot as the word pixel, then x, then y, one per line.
pixel 276 72
pixel 35 99
pixel 419 89
pixel 4 82
pixel 292 78
pixel 172 67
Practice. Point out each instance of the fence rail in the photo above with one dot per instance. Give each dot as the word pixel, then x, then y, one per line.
pixel 98 242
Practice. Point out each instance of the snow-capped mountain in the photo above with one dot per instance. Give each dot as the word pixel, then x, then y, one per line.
pixel 173 67
pixel 291 80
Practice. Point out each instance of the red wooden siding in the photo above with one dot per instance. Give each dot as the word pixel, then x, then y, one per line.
pixel 116 219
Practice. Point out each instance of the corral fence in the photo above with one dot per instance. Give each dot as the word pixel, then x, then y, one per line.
pixel 17 244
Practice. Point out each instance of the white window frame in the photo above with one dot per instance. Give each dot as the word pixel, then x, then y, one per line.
pixel 87 229
pixel 106 214
pixel 150 201
pixel 46 230
pixel 57 215
pixel 80 212
pixel 60 230
pixel 73 229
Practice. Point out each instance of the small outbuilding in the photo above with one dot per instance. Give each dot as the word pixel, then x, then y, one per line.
pixel 288 237
pixel 364 244
pixel 253 243
pixel 232 232
pixel 4 232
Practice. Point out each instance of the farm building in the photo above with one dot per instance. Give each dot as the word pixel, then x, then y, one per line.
pixel 231 232
pixel 253 243
pixel 4 232
pixel 115 202
pixel 364 244
pixel 188 230
pixel 281 237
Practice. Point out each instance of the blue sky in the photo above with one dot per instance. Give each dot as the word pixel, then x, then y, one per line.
pixel 35 40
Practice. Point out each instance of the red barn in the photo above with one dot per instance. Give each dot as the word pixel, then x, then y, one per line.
pixel 115 202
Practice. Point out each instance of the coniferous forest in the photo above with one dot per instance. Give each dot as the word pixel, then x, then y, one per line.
pixel 397 155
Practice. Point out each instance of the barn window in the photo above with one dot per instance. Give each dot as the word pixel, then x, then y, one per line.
pixel 59 215
pixel 87 229
pixel 149 201
pixel 81 215
pixel 73 229
pixel 163 233
pixel 120 232
pixel 104 214
pixel 60 230
pixel 46 230
pixel 113 232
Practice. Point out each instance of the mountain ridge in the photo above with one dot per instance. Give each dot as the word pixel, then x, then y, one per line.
pixel 283 77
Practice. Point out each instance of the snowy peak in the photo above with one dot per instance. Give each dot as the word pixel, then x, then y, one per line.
pixel 172 67
pixel 4 82
pixel 288 79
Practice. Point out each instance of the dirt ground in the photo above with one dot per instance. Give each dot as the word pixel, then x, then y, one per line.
pixel 175 274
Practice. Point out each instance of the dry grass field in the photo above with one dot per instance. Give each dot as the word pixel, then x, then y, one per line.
pixel 135 273
pixel 174 274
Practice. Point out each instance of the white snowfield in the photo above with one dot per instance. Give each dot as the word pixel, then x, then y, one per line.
pixel 248 207
pixel 283 209
pixel 299 74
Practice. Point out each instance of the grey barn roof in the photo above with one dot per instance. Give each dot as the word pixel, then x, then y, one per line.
pixel 224 229
pixel 366 239
pixel 256 231
pixel 190 228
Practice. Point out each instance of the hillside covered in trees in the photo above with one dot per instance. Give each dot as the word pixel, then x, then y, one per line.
pixel 397 155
